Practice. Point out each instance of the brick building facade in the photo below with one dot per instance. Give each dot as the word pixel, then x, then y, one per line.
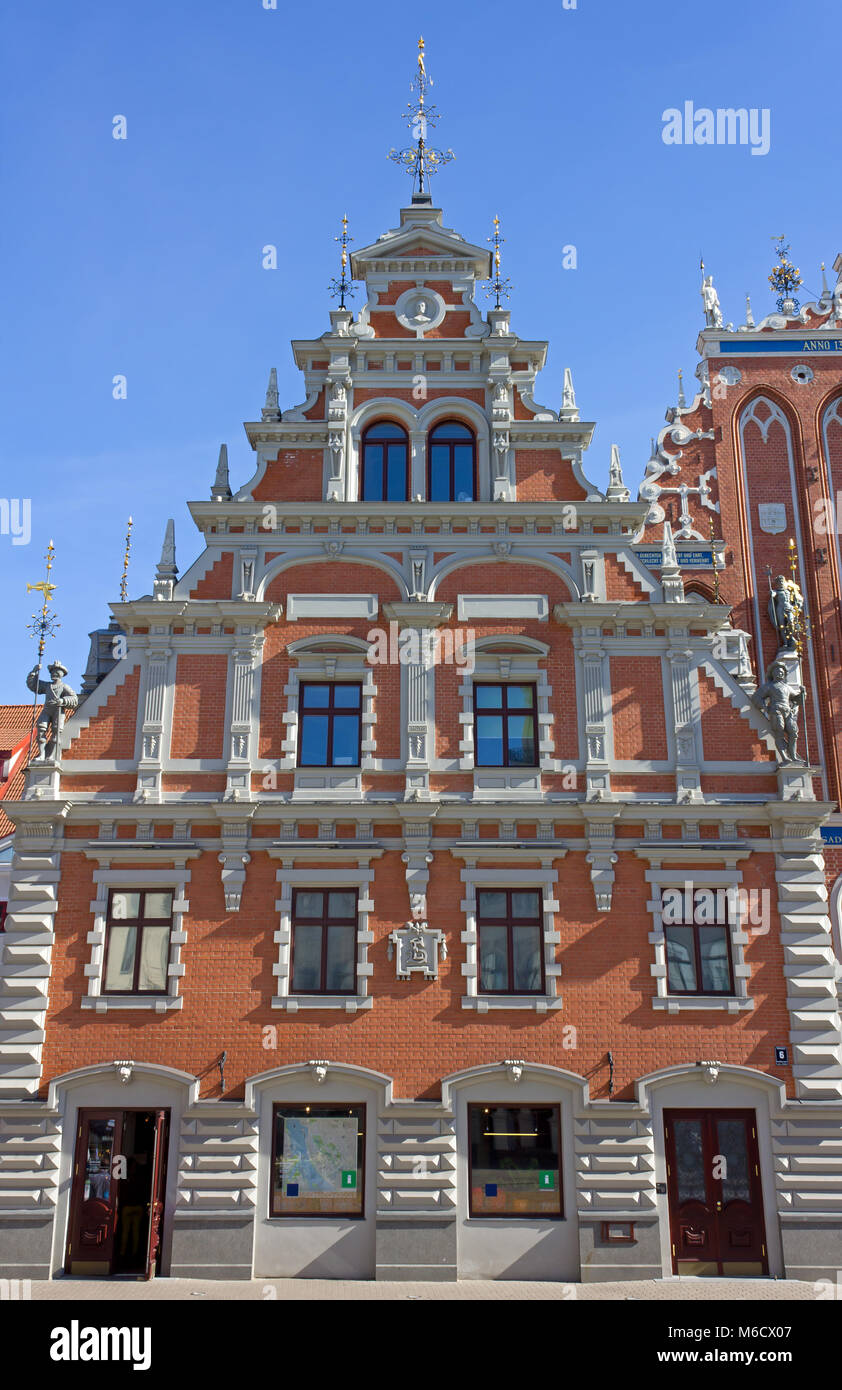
pixel 421 893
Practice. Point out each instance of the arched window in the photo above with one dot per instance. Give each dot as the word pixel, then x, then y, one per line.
pixel 451 464
pixel 385 463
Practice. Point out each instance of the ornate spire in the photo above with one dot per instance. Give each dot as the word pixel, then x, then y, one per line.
pixel 167 570
pixel 498 285
pixel 749 315
pixel 221 490
pixel 825 290
pixel 270 405
pixel 420 160
pixel 617 490
pixel 682 400
pixel 340 285
pixel 785 278
pixel 124 590
pixel 569 409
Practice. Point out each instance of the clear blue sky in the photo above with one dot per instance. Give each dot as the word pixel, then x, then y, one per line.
pixel 249 126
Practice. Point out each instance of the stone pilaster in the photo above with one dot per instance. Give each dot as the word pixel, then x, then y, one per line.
pixel 152 732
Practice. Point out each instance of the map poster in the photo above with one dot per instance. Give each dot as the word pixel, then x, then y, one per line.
pixel 316 1168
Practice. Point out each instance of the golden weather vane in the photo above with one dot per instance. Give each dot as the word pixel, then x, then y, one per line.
pixel 42 626
pixel 421 160
pixel 498 285
pixel 124 591
pixel 340 285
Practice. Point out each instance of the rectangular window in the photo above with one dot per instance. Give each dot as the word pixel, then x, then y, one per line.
pixel 504 726
pixel 515 1160
pixel 138 942
pixel 324 941
pixel 699 956
pixel 318 1160
pixel 510 923
pixel 330 723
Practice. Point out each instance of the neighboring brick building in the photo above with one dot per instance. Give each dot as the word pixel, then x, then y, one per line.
pixel 364 963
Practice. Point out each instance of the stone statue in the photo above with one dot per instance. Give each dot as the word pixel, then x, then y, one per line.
pixel 713 313
pixel 57 698
pixel 785 607
pixel 779 701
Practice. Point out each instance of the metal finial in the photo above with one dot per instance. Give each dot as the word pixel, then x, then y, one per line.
pixel 712 534
pixel 340 285
pixel 124 589
pixel 825 290
pixel 785 278
pixel 498 285
pixel 421 160
pixel 682 400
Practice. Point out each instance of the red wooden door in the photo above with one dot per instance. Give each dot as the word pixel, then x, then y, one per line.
pixel 93 1209
pixel 715 1196
pixel 156 1206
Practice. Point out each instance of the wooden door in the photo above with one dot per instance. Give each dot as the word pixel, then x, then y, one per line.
pixel 93 1207
pixel 715 1195
pixel 159 1177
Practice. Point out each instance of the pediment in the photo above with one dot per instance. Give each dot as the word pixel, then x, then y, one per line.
pixel 421 236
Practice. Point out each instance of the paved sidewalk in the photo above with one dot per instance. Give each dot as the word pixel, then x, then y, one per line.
pixel 344 1290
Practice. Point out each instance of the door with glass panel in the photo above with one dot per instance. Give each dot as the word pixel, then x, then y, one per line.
pixel 117 1194
pixel 715 1194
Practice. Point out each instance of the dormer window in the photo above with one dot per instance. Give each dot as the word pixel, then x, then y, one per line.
pixel 385 463
pixel 451 468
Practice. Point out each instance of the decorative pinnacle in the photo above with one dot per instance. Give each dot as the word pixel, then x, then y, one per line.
pixel 825 290
pixel 421 160
pixel 749 315
pixel 669 561
pixel 617 490
pixel 221 490
pixel 498 285
pixel 785 278
pixel 682 400
pixel 270 405
pixel 124 590
pixel 569 409
pixel 167 568
pixel 340 285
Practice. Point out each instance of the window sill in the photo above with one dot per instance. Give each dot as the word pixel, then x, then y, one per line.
pixel 675 1003
pixel 350 1003
pixel 539 1003
pixel 157 1003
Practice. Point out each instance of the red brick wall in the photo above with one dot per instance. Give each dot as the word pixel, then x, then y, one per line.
pixel 199 706
pixel 417 1031
pixel 637 707
pixel 544 476
pixel 219 580
pixel 111 732
pixel 725 734
pixel 295 475
pixel 619 584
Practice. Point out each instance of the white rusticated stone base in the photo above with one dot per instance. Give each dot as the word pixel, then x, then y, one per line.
pixel 27 946
pixel 810 972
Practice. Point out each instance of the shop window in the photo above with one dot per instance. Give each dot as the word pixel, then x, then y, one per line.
pixel 515 1161
pixel 511 941
pixel 138 928
pixel 318 1158
pixel 324 941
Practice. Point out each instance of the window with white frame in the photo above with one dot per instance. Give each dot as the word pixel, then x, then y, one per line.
pixel 510 936
pixel 138 932
pixel 702 923
pixel 323 936
pixel 509 686
pixel 331 668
